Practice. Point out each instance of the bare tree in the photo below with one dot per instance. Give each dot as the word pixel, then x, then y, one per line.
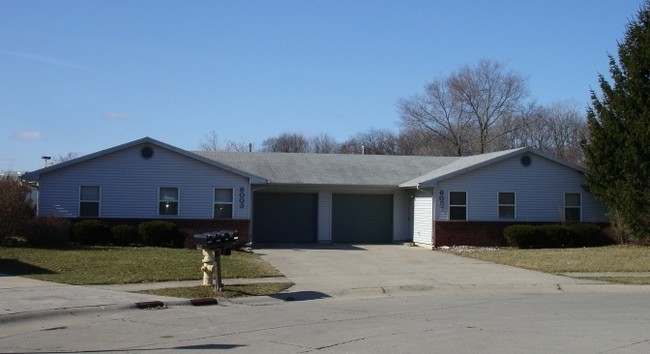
pixel 467 109
pixel 439 112
pixel 372 142
pixel 323 144
pixel 210 141
pixel 489 95
pixel 14 208
pixel 557 129
pixel 67 157
pixel 286 142
pixel 422 142
pixel 240 146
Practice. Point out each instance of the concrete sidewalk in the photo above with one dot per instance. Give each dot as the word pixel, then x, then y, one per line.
pixel 23 298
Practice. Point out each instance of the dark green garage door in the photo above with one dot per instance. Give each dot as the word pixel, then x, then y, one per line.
pixel 362 218
pixel 284 217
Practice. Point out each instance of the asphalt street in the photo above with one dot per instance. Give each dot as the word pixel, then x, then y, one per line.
pixel 497 312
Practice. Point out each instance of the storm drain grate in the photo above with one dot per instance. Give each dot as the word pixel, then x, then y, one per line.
pixel 146 305
pixel 206 301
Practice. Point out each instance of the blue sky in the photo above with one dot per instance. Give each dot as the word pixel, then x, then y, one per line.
pixel 82 76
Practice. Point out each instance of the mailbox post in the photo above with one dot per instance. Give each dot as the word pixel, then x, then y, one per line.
pixel 214 244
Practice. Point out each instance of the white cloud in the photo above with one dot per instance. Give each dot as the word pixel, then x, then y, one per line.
pixel 44 59
pixel 28 136
pixel 115 116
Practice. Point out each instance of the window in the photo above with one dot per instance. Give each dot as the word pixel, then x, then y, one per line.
pixel 506 205
pixel 223 200
pixel 89 201
pixel 168 201
pixel 457 205
pixel 572 206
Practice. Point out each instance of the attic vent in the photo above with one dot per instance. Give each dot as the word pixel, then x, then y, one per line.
pixel 146 152
pixel 525 160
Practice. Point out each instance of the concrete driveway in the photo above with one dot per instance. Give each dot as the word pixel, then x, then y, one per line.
pixel 376 270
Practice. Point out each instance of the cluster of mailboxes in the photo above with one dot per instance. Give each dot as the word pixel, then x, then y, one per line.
pixel 214 240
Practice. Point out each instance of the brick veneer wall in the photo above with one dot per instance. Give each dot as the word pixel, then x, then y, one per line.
pixel 469 233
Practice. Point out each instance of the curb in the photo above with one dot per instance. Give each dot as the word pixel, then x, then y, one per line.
pixel 62 311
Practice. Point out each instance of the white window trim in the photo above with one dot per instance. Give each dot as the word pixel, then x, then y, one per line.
pixel 232 203
pixel 98 201
pixel 572 207
pixel 499 205
pixel 178 202
pixel 458 205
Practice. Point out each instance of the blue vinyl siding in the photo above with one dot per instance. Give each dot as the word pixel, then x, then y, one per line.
pixel 539 188
pixel 130 184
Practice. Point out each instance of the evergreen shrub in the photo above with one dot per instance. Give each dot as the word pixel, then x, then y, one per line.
pixel 554 236
pixel 160 233
pixel 125 235
pixel 91 232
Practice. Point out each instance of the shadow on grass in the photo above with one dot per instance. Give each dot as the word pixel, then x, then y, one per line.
pixel 16 267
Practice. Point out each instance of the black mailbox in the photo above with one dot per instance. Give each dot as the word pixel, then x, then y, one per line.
pixel 224 239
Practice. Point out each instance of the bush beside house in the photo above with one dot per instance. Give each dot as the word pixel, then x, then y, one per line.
pixel 555 236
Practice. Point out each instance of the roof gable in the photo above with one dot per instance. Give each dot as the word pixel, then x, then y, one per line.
pixel 470 163
pixel 35 175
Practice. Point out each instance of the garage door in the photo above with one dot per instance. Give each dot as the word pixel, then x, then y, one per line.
pixel 362 218
pixel 284 217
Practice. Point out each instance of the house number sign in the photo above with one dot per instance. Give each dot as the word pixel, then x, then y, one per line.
pixel 441 200
pixel 242 197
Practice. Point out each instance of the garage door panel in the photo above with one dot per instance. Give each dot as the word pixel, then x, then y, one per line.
pixel 362 218
pixel 284 217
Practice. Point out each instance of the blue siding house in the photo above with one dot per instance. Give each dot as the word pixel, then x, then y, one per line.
pixel 278 197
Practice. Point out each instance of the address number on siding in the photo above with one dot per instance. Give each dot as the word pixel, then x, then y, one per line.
pixel 242 197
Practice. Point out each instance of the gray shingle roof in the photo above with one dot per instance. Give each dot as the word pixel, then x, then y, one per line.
pixel 330 169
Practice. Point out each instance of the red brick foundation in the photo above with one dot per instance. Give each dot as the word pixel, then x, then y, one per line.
pixel 468 233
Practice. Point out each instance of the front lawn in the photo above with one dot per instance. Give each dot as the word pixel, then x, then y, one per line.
pixel 120 265
pixel 573 260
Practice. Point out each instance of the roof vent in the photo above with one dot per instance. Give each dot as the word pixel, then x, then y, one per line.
pixel 146 152
pixel 525 160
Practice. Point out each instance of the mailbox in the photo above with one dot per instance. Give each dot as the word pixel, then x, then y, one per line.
pixel 224 239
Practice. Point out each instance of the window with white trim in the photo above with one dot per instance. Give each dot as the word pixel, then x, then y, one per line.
pixel 223 202
pixel 168 201
pixel 572 207
pixel 89 201
pixel 457 205
pixel 507 205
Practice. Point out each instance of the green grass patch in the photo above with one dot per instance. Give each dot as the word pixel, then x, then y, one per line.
pixel 574 260
pixel 122 265
pixel 229 291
